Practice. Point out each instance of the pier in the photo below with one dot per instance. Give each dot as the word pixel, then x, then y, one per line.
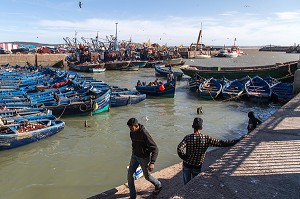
pixel 264 164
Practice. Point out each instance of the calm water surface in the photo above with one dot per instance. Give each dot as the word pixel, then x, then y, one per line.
pixel 81 162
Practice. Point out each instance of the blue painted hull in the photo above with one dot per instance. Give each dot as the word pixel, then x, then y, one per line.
pixel 169 90
pixel 126 99
pixel 233 89
pixel 210 89
pixel 9 141
pixel 258 90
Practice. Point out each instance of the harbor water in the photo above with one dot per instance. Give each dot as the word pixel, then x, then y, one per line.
pixel 80 162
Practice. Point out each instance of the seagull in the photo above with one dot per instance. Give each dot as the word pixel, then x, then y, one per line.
pixel 199 110
pixel 192 60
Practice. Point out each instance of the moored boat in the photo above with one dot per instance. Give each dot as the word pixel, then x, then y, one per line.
pixel 164 90
pixel 233 89
pixel 282 92
pixel 25 132
pixel 210 88
pixel 164 73
pixel 116 65
pixel 258 90
pixel 174 61
pixel 279 70
pixel 86 66
pixel 124 98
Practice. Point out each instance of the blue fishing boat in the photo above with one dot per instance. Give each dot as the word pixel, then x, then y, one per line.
pixel 159 71
pixel 258 90
pixel 194 82
pixel 282 92
pixel 123 98
pixel 26 132
pixel 90 104
pixel 210 88
pixel 233 89
pixel 139 64
pixel 164 90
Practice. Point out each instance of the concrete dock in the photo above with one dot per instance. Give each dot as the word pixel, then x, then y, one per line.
pixel 265 164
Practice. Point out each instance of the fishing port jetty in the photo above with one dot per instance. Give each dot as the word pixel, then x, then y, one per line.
pixel 263 165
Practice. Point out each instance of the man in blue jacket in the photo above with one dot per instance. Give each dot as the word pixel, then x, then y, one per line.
pixel 144 153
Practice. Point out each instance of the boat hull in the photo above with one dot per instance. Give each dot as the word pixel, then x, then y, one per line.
pixel 276 71
pixel 169 90
pixel 13 141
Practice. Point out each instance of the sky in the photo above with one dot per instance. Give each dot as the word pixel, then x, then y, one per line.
pixel 171 22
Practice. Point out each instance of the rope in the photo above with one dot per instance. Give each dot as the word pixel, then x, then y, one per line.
pixel 233 97
pixel 62 113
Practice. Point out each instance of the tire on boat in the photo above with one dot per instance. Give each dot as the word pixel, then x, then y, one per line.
pixel 83 107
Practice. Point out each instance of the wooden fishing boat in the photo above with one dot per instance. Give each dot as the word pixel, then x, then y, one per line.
pixel 124 98
pixel 258 90
pixel 282 92
pixel 164 73
pixel 28 131
pixel 116 65
pixel 164 90
pixel 86 66
pixel 140 64
pixel 233 89
pixel 194 82
pixel 210 88
pixel 279 70
pixel 24 112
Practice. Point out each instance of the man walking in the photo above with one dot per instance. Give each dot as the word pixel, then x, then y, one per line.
pixel 192 150
pixel 144 153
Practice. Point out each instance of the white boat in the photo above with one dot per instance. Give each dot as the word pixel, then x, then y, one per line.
pixel 202 56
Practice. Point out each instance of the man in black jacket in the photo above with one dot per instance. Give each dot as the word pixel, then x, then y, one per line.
pixel 144 153
pixel 192 150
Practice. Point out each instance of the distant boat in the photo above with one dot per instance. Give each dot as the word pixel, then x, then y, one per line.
pixel 86 66
pixel 117 65
pixel 140 64
pixel 164 73
pixel 164 90
pixel 278 70
pixel 202 56
pixel 97 70
pixel 210 88
pixel 174 61
pixel 258 90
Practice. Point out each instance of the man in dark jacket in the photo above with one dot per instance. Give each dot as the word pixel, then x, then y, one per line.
pixel 192 150
pixel 144 153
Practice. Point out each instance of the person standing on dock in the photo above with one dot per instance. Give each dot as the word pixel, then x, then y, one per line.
pixel 144 153
pixel 192 150
pixel 253 122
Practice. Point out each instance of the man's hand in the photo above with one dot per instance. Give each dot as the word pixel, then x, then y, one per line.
pixel 151 166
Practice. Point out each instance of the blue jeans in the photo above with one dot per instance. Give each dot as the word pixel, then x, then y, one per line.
pixel 134 163
pixel 189 173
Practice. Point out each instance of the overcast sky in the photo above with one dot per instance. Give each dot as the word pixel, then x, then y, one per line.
pixel 174 22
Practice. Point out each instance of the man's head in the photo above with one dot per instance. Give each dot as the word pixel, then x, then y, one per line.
pixel 197 124
pixel 133 124
pixel 251 114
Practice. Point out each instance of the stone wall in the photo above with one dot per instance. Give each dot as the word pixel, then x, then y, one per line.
pixel 36 59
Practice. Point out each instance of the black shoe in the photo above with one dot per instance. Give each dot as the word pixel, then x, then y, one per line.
pixel 157 189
